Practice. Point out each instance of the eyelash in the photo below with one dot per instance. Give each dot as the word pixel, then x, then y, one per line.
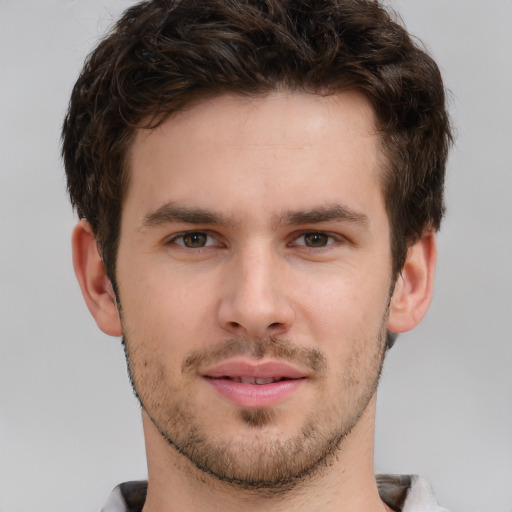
pixel 330 240
pixel 181 236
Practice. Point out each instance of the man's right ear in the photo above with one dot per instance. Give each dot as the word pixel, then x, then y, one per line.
pixel 93 280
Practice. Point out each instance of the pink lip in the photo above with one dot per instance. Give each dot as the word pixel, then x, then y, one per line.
pixel 249 395
pixel 264 370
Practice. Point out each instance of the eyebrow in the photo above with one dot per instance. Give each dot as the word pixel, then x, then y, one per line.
pixel 335 212
pixel 172 212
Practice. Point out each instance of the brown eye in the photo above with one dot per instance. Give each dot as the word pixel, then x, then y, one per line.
pixel 316 239
pixel 195 240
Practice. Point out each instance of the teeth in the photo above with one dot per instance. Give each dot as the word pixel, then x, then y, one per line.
pixel 254 380
pixel 264 381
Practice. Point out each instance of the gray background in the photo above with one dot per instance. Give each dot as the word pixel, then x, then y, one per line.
pixel 69 425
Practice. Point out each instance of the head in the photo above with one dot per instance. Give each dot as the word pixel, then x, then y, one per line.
pixel 163 56
pixel 256 175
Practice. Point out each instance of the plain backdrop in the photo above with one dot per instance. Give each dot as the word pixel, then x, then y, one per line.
pixel 69 425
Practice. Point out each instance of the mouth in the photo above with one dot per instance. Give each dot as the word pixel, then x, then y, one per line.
pixel 255 385
pixel 255 380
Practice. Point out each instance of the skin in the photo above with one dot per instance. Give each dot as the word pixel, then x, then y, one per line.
pixel 292 262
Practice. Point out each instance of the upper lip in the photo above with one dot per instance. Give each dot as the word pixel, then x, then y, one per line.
pixel 237 368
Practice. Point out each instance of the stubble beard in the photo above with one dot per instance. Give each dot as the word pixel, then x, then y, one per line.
pixel 260 463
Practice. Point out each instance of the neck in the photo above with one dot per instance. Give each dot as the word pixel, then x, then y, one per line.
pixel 346 482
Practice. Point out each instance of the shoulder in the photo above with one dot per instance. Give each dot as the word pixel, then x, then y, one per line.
pixel 127 497
pixel 407 493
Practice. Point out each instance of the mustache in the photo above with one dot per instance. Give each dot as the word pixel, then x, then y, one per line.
pixel 274 347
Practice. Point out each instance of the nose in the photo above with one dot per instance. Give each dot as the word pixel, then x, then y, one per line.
pixel 254 301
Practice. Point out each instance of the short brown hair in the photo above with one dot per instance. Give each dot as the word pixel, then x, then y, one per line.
pixel 164 54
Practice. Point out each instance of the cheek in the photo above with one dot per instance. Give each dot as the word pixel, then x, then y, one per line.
pixel 166 307
pixel 348 305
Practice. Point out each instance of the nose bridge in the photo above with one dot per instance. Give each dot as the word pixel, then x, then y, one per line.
pixel 258 279
pixel 254 302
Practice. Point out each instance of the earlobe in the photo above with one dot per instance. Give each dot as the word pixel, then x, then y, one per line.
pixel 96 287
pixel 414 287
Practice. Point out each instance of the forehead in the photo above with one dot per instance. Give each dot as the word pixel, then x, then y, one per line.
pixel 279 148
pixel 272 119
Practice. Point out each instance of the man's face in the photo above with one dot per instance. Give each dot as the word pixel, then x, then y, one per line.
pixel 254 276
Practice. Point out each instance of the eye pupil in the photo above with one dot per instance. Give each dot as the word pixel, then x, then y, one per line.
pixel 194 240
pixel 316 239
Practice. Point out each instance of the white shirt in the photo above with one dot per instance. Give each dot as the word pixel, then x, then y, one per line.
pixel 405 493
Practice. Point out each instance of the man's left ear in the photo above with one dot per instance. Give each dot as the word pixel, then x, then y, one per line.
pixel 414 287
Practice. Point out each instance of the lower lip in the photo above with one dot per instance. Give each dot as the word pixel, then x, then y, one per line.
pixel 255 396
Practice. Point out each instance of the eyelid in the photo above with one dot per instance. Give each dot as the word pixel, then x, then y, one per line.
pixel 172 240
pixel 216 240
pixel 335 238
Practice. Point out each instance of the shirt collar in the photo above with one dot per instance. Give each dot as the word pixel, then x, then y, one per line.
pixel 403 493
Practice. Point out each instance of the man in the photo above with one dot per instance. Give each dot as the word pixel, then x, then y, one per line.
pixel 259 185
